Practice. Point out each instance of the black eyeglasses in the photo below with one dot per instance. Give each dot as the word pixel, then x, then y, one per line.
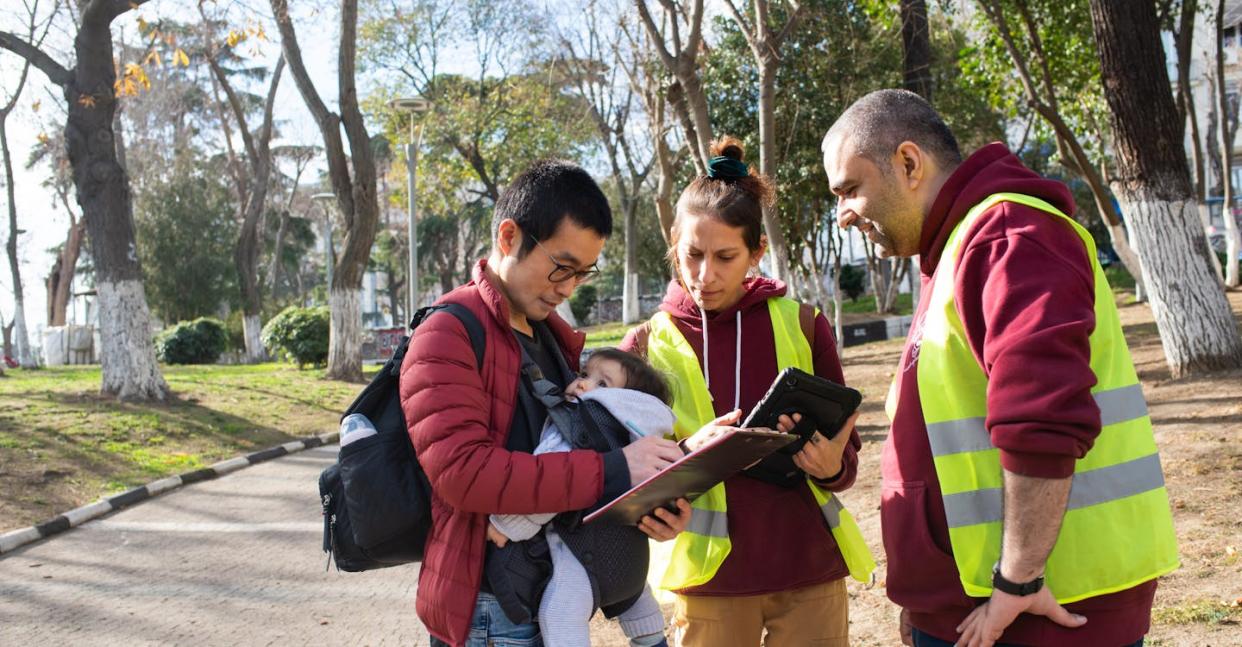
pixel 562 272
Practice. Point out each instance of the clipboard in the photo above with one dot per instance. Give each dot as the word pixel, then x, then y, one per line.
pixel 692 475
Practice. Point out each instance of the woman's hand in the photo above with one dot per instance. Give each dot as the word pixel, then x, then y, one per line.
pixel 662 525
pixel 820 457
pixel 712 430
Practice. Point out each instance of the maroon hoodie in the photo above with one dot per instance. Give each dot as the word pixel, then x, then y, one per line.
pixel 1024 292
pixel 762 517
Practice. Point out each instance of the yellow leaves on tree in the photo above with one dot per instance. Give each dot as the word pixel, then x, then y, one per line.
pixel 135 76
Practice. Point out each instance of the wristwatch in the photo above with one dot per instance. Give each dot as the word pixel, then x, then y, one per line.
pixel 1013 588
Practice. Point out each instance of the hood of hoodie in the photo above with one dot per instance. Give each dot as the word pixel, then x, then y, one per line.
pixel 755 291
pixel 720 334
pixel 991 169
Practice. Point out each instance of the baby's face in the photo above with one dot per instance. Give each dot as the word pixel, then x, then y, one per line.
pixel 597 372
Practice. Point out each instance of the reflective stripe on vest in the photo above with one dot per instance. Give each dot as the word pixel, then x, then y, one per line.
pixel 1118 529
pixel 698 552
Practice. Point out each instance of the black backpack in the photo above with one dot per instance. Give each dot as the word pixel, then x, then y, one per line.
pixel 376 498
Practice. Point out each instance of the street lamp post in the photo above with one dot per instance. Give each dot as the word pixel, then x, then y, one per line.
pixel 412 106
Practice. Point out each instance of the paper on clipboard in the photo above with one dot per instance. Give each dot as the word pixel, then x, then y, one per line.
pixel 692 475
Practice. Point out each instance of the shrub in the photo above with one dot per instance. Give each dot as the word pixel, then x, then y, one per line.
pixel 299 334
pixel 582 301
pixel 852 279
pixel 200 341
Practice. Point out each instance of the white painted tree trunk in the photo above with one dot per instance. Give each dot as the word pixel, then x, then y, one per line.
pixel 1232 243
pixel 629 299
pixel 21 339
pixel 252 329
pixel 345 334
pixel 126 351
pixel 1197 328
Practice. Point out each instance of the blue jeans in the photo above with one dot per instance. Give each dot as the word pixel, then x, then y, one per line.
pixel 924 640
pixel 491 628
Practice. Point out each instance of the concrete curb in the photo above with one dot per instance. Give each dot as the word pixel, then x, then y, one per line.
pixel 15 539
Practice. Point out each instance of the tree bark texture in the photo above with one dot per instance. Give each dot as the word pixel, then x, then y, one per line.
pixel 21 339
pixel 681 62
pixel 1197 328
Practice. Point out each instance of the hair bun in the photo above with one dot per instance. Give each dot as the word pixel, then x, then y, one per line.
pixel 727 146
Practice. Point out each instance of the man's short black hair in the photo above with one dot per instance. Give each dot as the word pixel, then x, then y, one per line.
pixel 880 121
pixel 546 193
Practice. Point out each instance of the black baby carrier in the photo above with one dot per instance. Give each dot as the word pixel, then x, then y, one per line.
pixel 614 556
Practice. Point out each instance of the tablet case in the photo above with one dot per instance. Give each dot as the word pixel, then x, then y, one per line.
pixel 824 405
pixel 692 475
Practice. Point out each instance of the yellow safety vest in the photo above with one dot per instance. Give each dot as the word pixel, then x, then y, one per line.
pixel 1118 528
pixel 699 551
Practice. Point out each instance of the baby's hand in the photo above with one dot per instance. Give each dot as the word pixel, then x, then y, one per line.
pixel 495 536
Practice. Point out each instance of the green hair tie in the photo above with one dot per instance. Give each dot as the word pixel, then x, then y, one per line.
pixel 722 167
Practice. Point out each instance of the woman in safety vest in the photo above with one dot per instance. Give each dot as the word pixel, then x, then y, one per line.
pixel 766 551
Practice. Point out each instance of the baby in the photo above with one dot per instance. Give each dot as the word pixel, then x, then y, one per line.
pixel 636 395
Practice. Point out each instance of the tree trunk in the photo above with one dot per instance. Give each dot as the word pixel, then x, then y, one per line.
pixel 356 195
pixel 252 195
pixel 60 282
pixel 916 49
pixel 629 293
pixel 1196 325
pixel 345 335
pixel 767 165
pixel 127 354
pixel 1228 128
pixel 666 172
pixel 21 341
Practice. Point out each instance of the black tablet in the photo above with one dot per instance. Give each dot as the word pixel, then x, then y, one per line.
pixel 824 405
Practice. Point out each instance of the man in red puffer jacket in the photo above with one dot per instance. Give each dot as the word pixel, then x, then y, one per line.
pixel 470 429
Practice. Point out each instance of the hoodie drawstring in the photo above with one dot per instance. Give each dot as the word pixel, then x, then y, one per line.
pixel 737 359
pixel 737 366
pixel 707 372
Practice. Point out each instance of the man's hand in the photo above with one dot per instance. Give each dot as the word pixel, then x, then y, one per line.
pixel 820 457
pixel 649 455
pixel 496 537
pixel 713 429
pixel 905 628
pixel 662 525
pixel 984 626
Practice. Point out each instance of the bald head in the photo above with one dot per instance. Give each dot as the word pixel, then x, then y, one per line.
pixel 875 125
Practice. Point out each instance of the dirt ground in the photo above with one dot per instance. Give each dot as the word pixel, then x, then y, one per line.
pixel 1198 428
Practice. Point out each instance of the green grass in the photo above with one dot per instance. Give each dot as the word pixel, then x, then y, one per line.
pixel 866 304
pixel 609 334
pixel 53 421
pixel 1202 611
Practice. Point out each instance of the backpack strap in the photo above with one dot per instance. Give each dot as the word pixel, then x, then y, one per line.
pixel 478 340
pixel 806 319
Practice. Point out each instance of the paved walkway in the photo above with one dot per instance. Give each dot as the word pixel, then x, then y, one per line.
pixel 232 561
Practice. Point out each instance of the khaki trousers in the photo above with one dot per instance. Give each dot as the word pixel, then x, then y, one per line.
pixel 814 616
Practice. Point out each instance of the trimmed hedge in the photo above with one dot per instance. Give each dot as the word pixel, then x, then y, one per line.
pixel 200 341
pixel 299 334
